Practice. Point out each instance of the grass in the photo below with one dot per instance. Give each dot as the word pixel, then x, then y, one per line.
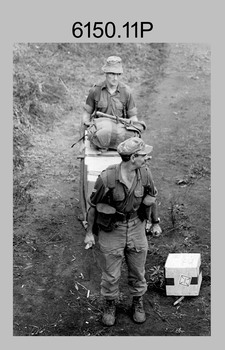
pixel 46 78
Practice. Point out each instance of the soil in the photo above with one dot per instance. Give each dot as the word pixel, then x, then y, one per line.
pixel 57 281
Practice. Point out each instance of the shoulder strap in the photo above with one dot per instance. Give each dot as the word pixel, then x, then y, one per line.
pixel 148 182
pixel 97 94
pixel 124 94
pixel 145 176
pixel 109 176
pixel 97 91
pixel 109 179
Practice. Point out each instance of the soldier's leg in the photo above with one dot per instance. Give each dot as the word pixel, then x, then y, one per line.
pixel 111 246
pixel 136 254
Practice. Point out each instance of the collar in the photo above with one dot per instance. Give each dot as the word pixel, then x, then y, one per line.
pixel 104 86
pixel 119 176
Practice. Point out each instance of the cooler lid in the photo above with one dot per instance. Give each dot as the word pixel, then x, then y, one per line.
pixel 183 260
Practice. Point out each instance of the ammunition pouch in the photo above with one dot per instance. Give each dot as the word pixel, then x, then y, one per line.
pixel 145 207
pixel 106 216
pixel 144 212
pixel 149 200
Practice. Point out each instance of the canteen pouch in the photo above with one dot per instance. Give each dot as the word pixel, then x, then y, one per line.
pixel 144 210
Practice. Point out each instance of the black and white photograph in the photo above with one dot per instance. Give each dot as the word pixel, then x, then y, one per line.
pixel 112 189
pixel 112 174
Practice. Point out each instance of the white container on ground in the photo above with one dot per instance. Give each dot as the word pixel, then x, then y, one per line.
pixel 183 274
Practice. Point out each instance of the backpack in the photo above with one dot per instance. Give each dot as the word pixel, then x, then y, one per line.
pixel 106 133
pixel 109 132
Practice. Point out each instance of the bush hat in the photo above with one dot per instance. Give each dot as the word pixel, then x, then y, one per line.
pixel 133 145
pixel 113 65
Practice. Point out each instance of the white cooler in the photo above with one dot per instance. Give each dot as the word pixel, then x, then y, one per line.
pixel 91 165
pixel 183 274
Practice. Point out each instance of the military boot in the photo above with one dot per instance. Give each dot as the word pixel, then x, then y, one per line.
pixel 138 310
pixel 109 315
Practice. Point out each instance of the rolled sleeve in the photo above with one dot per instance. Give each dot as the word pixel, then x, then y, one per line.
pixel 97 193
pixel 132 112
pixel 90 102
pixel 131 108
pixel 88 108
pixel 152 190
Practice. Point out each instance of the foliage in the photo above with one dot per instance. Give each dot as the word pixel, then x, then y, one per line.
pixel 50 80
pixel 156 276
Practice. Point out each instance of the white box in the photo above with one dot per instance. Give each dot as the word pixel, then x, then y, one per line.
pixel 183 274
pixel 95 163
pixel 92 162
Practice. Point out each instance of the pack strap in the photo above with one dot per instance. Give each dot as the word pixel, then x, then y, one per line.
pixel 80 139
pixel 129 123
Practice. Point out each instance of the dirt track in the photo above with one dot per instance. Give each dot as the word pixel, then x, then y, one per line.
pixel 54 274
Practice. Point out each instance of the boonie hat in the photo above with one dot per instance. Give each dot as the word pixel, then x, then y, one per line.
pixel 113 65
pixel 133 145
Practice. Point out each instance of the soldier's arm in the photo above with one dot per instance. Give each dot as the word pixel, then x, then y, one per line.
pixel 89 106
pixel 86 117
pixel 95 197
pixel 131 108
pixel 134 118
pixel 89 239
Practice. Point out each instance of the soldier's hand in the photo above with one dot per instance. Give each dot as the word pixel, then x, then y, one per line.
pixel 148 227
pixel 153 230
pixel 156 230
pixel 89 240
